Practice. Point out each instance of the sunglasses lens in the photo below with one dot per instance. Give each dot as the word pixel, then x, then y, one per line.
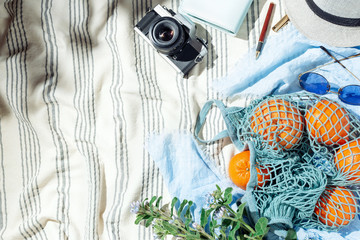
pixel 350 94
pixel 315 83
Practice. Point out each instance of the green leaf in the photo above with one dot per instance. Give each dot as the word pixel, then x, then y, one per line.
pixel 139 218
pixel 261 226
pixel 173 202
pixel 187 223
pixel 149 221
pixel 227 192
pixel 182 205
pixel 291 235
pixel 222 232
pixel 228 200
pixel 151 203
pixel 152 200
pixel 234 230
pixel 143 202
pixel 157 204
pixel 231 238
pixel 158 228
pixel 190 236
pixel 188 210
pixel 213 224
pixel 170 228
pixel 226 222
pixel 203 218
pixel 240 211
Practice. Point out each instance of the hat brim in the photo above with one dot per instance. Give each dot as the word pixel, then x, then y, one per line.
pixel 316 28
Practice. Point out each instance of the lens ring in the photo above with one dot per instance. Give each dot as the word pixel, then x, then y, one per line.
pixel 314 82
pixel 165 32
pixel 167 35
pixel 350 94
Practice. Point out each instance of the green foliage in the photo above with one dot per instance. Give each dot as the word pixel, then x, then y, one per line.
pixel 217 217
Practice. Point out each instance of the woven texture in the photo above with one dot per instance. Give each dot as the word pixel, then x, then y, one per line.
pixel 308 150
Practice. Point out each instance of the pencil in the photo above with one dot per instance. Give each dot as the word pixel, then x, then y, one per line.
pixel 264 30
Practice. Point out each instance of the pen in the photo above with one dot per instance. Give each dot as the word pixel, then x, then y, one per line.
pixel 264 30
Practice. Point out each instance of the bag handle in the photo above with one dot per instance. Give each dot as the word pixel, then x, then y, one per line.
pixel 202 118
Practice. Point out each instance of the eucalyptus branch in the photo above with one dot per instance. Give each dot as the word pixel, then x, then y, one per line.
pixel 217 217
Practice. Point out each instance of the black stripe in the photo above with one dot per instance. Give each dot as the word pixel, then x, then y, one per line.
pixel 181 91
pixel 147 87
pixel 155 115
pixel 3 200
pixel 135 11
pixel 121 148
pixel 253 21
pixel 208 66
pixel 85 131
pixel 32 136
pixel 28 138
pixel 150 88
pixel 50 84
pixel 151 110
pixel 141 78
pixel 220 154
pixel 341 21
pixel 9 90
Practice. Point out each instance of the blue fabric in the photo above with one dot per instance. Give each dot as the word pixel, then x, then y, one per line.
pixel 187 171
pixel 284 56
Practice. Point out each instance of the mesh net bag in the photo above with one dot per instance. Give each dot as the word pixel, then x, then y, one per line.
pixel 307 149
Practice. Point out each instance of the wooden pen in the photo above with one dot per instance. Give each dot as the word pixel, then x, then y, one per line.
pixel 264 30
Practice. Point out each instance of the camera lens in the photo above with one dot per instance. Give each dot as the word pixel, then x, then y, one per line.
pixel 167 35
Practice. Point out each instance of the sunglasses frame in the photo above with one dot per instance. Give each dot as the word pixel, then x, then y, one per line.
pixel 328 83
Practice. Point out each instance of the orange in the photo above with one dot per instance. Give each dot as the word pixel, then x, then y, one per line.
pixel 278 121
pixel 239 170
pixel 347 160
pixel 336 206
pixel 328 123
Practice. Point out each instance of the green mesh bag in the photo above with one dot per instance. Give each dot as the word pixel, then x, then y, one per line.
pixel 306 149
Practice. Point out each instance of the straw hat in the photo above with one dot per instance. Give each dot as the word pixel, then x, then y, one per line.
pixel 334 22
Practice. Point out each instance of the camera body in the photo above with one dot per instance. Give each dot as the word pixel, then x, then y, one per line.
pixel 173 36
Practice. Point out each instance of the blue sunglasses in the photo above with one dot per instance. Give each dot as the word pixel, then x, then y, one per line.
pixel 316 83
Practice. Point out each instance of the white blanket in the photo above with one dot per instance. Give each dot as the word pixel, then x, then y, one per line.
pixel 79 93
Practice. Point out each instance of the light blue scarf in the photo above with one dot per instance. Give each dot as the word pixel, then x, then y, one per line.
pixel 284 56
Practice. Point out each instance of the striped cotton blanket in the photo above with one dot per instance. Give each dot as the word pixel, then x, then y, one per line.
pixel 79 93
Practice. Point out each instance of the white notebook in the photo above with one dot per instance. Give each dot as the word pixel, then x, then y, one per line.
pixel 226 15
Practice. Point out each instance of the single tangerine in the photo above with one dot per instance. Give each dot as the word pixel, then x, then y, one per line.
pixel 278 121
pixel 328 123
pixel 336 207
pixel 347 160
pixel 239 171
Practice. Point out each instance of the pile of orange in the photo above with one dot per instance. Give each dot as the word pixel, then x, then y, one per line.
pixel 347 160
pixel 336 207
pixel 279 123
pixel 239 171
pixel 328 123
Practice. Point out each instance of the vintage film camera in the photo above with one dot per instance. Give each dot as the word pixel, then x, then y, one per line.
pixel 173 36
